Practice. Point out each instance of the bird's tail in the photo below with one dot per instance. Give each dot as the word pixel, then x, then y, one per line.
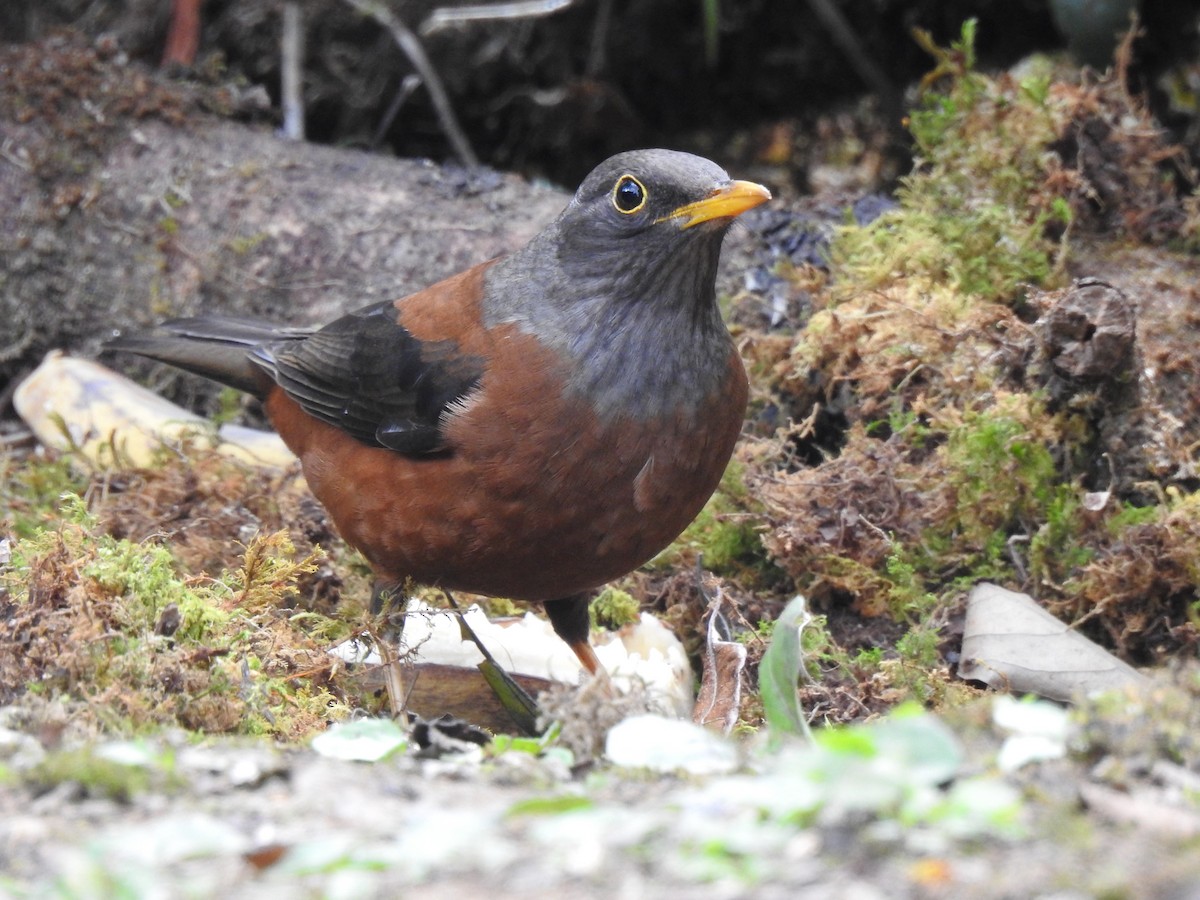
pixel 222 348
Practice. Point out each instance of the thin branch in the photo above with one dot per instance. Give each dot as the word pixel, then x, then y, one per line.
pixel 410 83
pixel 444 17
pixel 872 75
pixel 597 53
pixel 410 44
pixel 293 68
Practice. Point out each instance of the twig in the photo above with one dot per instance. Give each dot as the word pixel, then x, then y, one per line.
pixel 292 77
pixel 410 83
pixel 597 54
pixel 843 35
pixel 410 44
pixel 183 35
pixel 444 17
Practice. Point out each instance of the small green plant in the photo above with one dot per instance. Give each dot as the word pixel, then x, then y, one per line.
pixel 779 672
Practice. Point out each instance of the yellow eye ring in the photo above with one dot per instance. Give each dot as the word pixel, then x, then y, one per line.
pixel 628 195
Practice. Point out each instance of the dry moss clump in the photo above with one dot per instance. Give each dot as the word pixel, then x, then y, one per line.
pixel 113 625
pixel 961 409
pixel 1140 589
pixel 202 504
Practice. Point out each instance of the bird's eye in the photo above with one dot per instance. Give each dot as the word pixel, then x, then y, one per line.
pixel 629 195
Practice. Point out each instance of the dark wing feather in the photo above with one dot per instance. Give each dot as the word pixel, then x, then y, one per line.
pixel 369 376
pixel 216 347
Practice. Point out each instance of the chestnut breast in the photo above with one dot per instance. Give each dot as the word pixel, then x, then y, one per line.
pixel 536 498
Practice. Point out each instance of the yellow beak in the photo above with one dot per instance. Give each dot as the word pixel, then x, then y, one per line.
pixel 724 203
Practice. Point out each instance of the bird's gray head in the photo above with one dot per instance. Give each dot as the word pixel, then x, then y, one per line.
pixel 623 281
pixel 640 213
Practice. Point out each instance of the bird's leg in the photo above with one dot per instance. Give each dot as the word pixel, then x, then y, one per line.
pixel 388 601
pixel 384 595
pixel 569 618
pixel 383 592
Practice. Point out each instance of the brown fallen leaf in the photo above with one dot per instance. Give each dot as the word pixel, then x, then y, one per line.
pixel 1012 644
pixel 265 856
pixel 718 704
pixel 436 689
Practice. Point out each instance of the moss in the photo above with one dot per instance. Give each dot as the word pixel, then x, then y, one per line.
pixel 230 405
pixel 973 215
pixel 270 568
pixel 112 622
pixel 145 577
pixel 30 492
pixel 1002 477
pixel 614 608
pixel 908 597
pixel 1141 583
pixel 932 450
pixel 1133 727
pixel 95 775
pixel 493 606
pixel 243 244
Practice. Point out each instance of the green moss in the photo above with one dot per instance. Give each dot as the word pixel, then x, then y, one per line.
pixel 30 493
pixel 868 658
pixel 1003 480
pixel 91 608
pixel 174 199
pixel 495 607
pixel 244 244
pixel 908 597
pixel 98 775
pixel 614 608
pixel 918 647
pixel 229 406
pixel 974 214
pixel 1129 516
pixel 1156 720
pixel 764 628
pixel 1057 547
pixel 269 571
pixel 145 577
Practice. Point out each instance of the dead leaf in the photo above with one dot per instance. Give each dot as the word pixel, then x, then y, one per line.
pixel 1012 644
pixel 719 702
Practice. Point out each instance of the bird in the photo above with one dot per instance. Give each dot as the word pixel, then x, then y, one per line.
pixel 531 428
